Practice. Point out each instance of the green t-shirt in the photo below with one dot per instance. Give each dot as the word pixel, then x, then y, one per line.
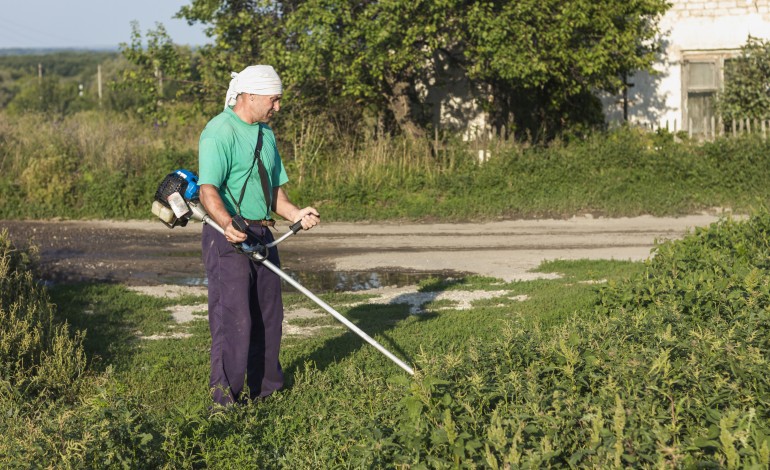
pixel 225 155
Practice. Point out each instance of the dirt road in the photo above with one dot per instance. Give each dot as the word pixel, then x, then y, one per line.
pixel 148 253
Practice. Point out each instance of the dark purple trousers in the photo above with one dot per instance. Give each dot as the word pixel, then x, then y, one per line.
pixel 245 316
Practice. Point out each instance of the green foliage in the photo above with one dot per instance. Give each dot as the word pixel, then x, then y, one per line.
pixel 88 165
pixel 59 91
pixel 747 83
pixel 374 56
pixel 102 428
pixel 621 173
pixel 570 46
pixel 38 356
pixel 159 75
pixel 545 59
pixel 50 96
pixel 109 165
pixel 241 31
pixel 664 366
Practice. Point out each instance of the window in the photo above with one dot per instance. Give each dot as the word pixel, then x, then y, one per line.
pixel 702 78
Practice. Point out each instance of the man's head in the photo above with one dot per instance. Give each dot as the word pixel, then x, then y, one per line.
pixel 255 92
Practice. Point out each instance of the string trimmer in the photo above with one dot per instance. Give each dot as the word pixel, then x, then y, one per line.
pixel 177 201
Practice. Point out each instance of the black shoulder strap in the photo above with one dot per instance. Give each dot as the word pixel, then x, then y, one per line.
pixel 269 203
pixel 262 177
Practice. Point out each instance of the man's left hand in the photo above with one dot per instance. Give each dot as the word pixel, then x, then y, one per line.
pixel 308 216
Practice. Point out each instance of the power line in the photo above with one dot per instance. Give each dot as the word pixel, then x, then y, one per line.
pixel 12 31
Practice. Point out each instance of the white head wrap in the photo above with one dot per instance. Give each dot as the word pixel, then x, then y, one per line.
pixel 256 80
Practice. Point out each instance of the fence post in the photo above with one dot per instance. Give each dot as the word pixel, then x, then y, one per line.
pixel 713 128
pixel 734 129
pixel 764 130
pixel 689 127
pixel 748 126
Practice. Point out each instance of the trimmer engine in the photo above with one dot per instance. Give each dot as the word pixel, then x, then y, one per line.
pixel 173 198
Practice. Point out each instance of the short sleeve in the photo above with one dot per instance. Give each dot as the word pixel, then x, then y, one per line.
pixel 212 161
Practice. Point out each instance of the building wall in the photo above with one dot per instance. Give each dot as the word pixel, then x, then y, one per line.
pixel 691 29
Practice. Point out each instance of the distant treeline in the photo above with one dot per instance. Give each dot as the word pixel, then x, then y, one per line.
pixel 61 82
pixel 61 62
pixel 26 51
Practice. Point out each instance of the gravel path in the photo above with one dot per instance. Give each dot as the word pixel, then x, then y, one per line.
pixel 148 253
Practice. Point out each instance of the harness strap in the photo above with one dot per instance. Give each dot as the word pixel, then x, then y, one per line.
pixel 262 171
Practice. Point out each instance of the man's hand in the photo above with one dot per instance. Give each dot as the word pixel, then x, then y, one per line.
pixel 234 235
pixel 308 216
pixel 216 208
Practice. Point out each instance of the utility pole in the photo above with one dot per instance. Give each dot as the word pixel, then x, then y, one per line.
pixel 40 81
pixel 159 76
pixel 99 82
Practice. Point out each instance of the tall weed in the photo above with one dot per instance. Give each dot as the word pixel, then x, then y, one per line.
pixel 38 356
pixel 101 164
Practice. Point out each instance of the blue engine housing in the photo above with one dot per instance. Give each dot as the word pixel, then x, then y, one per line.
pixel 192 184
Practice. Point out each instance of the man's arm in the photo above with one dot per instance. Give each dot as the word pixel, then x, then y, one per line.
pixel 209 195
pixel 284 207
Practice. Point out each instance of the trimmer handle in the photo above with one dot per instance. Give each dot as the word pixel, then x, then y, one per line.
pixel 296 227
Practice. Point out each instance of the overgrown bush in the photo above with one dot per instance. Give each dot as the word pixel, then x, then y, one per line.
pixel 107 166
pixel 747 83
pixel 103 427
pixel 88 165
pixel 671 370
pixel 38 356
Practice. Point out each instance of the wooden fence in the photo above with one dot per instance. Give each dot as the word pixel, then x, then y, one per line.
pixel 711 128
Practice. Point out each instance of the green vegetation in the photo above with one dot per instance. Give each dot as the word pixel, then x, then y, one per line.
pixel 372 58
pixel 662 365
pixel 533 65
pixel 747 83
pixel 51 82
pixel 38 358
pixel 100 165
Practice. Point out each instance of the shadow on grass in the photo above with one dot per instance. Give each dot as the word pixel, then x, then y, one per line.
pixel 377 321
pixel 112 317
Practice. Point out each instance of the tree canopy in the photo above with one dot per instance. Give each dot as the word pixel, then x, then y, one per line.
pixel 537 63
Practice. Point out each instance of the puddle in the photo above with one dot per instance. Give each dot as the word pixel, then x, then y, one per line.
pixel 347 281
pixel 338 281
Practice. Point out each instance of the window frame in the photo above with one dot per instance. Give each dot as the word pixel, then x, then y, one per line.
pixel 713 56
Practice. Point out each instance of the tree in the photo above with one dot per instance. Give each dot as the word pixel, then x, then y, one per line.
pixel 159 74
pixel 243 31
pixel 551 55
pixel 557 53
pixel 374 52
pixel 548 55
pixel 50 95
pixel 747 83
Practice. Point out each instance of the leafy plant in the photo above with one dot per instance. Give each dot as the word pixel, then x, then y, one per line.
pixel 747 83
pixel 38 355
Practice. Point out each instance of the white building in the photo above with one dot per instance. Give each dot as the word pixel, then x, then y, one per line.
pixel 698 37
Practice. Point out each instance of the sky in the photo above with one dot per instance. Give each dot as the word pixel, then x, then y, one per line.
pixel 91 24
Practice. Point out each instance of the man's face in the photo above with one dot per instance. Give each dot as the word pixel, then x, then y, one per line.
pixel 264 107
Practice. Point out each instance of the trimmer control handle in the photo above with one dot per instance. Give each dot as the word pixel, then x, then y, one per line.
pixel 296 227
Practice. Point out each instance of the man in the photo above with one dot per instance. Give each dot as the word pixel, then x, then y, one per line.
pixel 245 306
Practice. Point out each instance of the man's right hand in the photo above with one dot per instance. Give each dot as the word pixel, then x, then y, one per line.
pixel 213 204
pixel 233 235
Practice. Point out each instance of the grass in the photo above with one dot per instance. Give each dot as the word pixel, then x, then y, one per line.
pixel 97 165
pixel 336 383
pixel 614 364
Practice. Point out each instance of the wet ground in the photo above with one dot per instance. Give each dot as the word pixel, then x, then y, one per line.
pixel 345 256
